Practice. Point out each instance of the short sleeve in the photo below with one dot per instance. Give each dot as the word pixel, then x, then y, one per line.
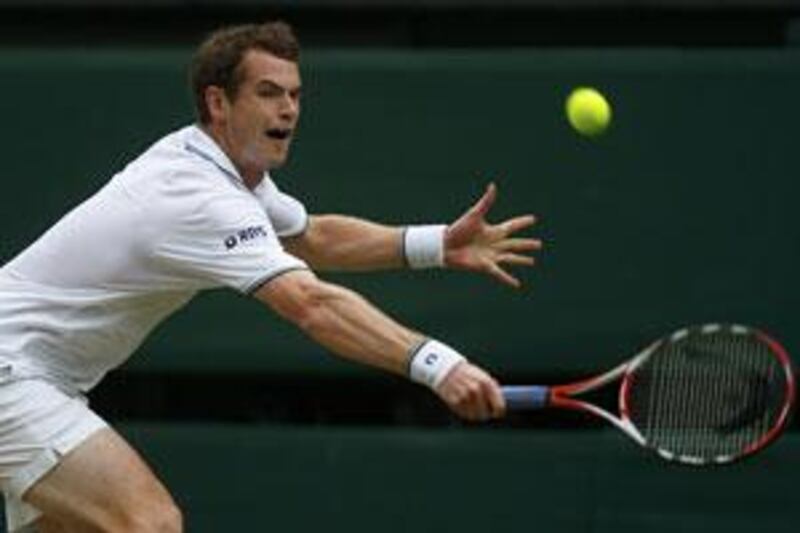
pixel 225 240
pixel 287 214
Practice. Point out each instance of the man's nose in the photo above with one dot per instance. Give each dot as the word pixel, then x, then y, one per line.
pixel 290 107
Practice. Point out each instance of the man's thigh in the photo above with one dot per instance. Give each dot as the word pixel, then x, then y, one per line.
pixel 39 425
pixel 103 484
pixel 59 458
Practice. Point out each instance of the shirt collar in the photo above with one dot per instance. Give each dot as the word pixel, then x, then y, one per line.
pixel 201 144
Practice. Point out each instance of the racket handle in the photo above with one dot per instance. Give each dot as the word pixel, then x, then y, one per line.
pixel 525 397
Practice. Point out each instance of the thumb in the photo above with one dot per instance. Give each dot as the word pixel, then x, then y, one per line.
pixel 482 206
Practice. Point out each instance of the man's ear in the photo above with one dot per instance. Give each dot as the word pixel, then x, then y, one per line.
pixel 216 103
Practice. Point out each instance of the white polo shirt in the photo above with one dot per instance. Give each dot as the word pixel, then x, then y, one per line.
pixel 176 220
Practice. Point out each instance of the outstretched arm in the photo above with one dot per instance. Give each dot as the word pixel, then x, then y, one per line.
pixel 337 242
pixel 344 243
pixel 349 326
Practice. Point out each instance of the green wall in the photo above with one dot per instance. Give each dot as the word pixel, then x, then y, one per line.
pixel 683 213
pixel 408 480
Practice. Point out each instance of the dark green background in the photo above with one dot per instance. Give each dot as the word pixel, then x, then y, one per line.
pixel 683 213
pixel 402 480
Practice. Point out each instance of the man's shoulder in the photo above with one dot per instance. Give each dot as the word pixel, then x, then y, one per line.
pixel 169 163
pixel 177 178
pixel 167 152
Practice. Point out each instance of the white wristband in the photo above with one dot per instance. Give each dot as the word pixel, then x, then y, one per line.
pixel 423 246
pixel 432 362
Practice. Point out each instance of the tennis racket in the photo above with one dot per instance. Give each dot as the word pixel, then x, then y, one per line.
pixel 704 395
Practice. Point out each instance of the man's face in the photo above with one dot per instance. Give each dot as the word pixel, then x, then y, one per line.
pixel 259 121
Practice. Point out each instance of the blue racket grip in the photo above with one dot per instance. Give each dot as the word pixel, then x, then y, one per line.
pixel 525 397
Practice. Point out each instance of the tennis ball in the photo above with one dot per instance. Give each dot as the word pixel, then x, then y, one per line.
pixel 588 111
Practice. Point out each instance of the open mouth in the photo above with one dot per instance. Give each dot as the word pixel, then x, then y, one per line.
pixel 279 134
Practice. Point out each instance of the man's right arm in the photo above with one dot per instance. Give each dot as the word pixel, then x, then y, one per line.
pixel 346 324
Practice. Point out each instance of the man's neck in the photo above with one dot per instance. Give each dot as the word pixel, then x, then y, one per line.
pixel 250 177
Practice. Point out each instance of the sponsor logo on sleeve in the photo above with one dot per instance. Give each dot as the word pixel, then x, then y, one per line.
pixel 245 236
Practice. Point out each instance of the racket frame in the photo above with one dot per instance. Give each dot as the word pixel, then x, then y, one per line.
pixel 563 396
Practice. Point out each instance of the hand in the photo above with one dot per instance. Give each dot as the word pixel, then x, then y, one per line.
pixel 471 243
pixel 472 393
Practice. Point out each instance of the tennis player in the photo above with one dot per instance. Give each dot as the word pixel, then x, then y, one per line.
pixel 198 210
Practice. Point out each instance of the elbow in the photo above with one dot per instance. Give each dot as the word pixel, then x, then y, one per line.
pixel 304 300
pixel 315 307
pixel 310 316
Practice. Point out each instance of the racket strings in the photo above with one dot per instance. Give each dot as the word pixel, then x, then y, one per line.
pixel 707 395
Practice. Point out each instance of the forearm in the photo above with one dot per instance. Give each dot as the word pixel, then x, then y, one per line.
pixel 349 326
pixel 337 242
pixel 346 324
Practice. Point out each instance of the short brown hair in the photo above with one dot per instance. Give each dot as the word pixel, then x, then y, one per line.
pixel 217 60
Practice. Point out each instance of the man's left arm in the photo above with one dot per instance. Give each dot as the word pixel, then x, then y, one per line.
pixel 343 243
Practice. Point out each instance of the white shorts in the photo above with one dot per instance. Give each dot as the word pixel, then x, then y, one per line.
pixel 39 424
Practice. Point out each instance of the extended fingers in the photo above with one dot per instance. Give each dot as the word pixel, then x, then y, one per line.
pixel 502 276
pixel 516 224
pixel 519 245
pixel 516 259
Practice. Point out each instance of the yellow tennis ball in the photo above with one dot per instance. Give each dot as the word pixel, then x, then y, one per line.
pixel 588 111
